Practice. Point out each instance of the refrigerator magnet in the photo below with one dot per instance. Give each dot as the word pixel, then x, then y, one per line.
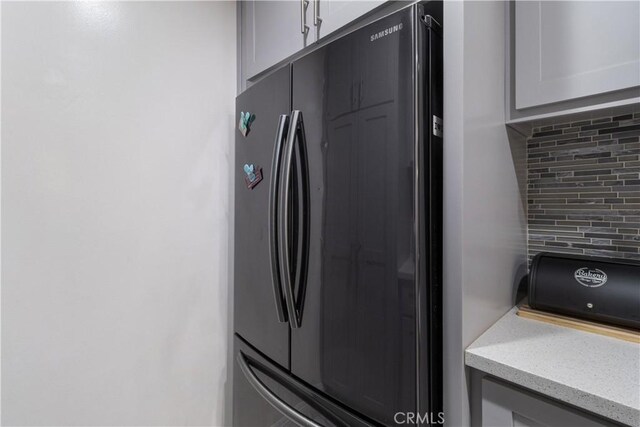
pixel 253 176
pixel 244 124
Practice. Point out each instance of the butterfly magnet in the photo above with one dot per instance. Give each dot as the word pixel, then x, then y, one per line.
pixel 253 176
pixel 244 125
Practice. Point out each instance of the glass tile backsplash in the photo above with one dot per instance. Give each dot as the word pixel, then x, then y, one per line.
pixel 583 187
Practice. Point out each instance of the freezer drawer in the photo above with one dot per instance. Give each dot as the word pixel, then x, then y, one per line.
pixel 266 395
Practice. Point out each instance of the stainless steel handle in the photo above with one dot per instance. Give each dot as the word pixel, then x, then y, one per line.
pixel 283 223
pixel 304 28
pixel 316 13
pixel 271 397
pixel 304 212
pixel 273 218
pixel 295 124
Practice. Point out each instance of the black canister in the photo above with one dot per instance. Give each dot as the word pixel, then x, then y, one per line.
pixel 598 289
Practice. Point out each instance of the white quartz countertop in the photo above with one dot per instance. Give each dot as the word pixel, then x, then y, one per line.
pixel 593 372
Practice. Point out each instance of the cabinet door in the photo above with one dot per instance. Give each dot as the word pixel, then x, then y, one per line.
pixel 336 14
pixel 271 31
pixel 506 406
pixel 567 50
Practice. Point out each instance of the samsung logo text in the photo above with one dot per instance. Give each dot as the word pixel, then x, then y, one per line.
pixel 386 32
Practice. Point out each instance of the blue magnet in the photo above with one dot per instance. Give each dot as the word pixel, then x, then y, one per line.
pixel 248 169
pixel 253 176
pixel 244 124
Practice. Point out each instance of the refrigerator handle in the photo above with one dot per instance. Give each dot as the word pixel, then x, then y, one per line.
pixel 304 211
pixel 271 397
pixel 273 218
pixel 295 134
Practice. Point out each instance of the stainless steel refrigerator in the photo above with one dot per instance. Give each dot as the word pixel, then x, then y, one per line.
pixel 338 205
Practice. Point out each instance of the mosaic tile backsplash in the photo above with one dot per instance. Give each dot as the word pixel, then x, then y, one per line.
pixel 583 187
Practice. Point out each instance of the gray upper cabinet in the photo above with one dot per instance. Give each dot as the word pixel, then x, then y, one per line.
pixel 272 31
pixel 569 50
pixel 336 14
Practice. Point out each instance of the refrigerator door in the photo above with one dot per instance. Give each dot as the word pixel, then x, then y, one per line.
pixel 357 336
pixel 266 395
pixel 259 306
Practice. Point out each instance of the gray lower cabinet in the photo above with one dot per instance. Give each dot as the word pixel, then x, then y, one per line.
pixel 504 405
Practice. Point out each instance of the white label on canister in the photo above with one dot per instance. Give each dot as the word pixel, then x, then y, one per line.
pixel 590 277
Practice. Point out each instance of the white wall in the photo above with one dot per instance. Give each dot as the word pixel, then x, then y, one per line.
pixel 485 217
pixel 117 129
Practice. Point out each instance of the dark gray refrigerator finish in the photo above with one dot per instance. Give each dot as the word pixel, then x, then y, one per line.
pixel 338 248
